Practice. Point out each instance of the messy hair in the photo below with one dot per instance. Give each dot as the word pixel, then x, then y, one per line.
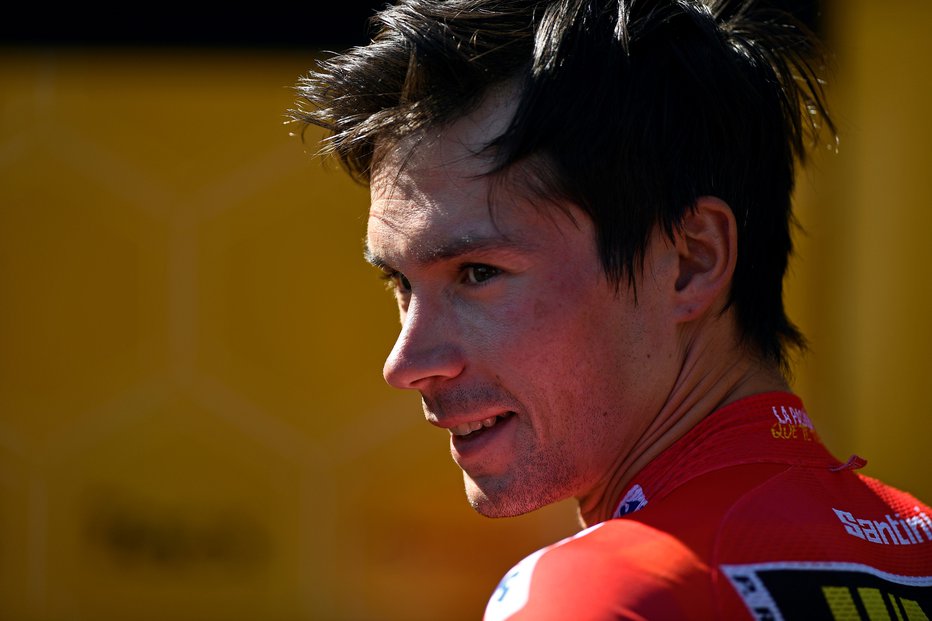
pixel 636 108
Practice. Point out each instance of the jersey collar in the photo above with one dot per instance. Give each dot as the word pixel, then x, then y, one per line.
pixel 770 427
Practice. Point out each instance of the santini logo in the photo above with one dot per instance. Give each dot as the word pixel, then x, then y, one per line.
pixel 892 530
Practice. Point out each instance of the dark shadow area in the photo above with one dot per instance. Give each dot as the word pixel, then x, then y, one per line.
pixel 290 26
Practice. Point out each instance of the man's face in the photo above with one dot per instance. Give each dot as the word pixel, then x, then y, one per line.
pixel 544 373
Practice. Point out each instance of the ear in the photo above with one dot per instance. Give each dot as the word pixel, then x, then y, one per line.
pixel 707 247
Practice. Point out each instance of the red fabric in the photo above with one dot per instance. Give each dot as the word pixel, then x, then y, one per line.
pixel 746 517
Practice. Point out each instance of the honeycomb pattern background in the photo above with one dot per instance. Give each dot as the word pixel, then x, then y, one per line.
pixel 193 423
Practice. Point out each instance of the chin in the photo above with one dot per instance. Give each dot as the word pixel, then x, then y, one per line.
pixel 502 503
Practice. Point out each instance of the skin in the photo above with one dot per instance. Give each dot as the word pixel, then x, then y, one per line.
pixel 507 316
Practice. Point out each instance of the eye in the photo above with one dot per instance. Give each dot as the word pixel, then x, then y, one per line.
pixel 397 281
pixel 478 273
pixel 401 282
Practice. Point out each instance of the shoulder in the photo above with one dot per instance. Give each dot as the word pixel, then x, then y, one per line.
pixel 620 569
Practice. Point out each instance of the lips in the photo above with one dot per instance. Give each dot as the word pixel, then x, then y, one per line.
pixel 488 446
pixel 466 430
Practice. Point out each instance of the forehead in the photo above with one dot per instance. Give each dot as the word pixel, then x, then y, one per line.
pixel 431 205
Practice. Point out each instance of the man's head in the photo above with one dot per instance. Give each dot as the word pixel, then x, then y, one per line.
pixel 563 193
pixel 544 373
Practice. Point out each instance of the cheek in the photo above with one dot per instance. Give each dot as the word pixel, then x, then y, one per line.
pixel 551 334
pixel 516 339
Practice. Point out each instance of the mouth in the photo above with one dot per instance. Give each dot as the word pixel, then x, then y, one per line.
pixel 475 428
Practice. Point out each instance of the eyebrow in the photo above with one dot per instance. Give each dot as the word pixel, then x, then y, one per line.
pixel 453 248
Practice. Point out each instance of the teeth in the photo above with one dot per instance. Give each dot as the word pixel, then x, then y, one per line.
pixel 468 428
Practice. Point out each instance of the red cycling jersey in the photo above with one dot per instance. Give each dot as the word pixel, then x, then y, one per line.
pixel 747 516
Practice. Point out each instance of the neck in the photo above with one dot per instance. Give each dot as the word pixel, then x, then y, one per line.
pixel 714 372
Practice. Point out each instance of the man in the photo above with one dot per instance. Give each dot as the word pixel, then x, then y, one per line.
pixel 584 209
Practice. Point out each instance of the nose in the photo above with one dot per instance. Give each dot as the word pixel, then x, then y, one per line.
pixel 426 349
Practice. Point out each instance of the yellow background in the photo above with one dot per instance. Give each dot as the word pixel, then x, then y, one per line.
pixel 193 423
